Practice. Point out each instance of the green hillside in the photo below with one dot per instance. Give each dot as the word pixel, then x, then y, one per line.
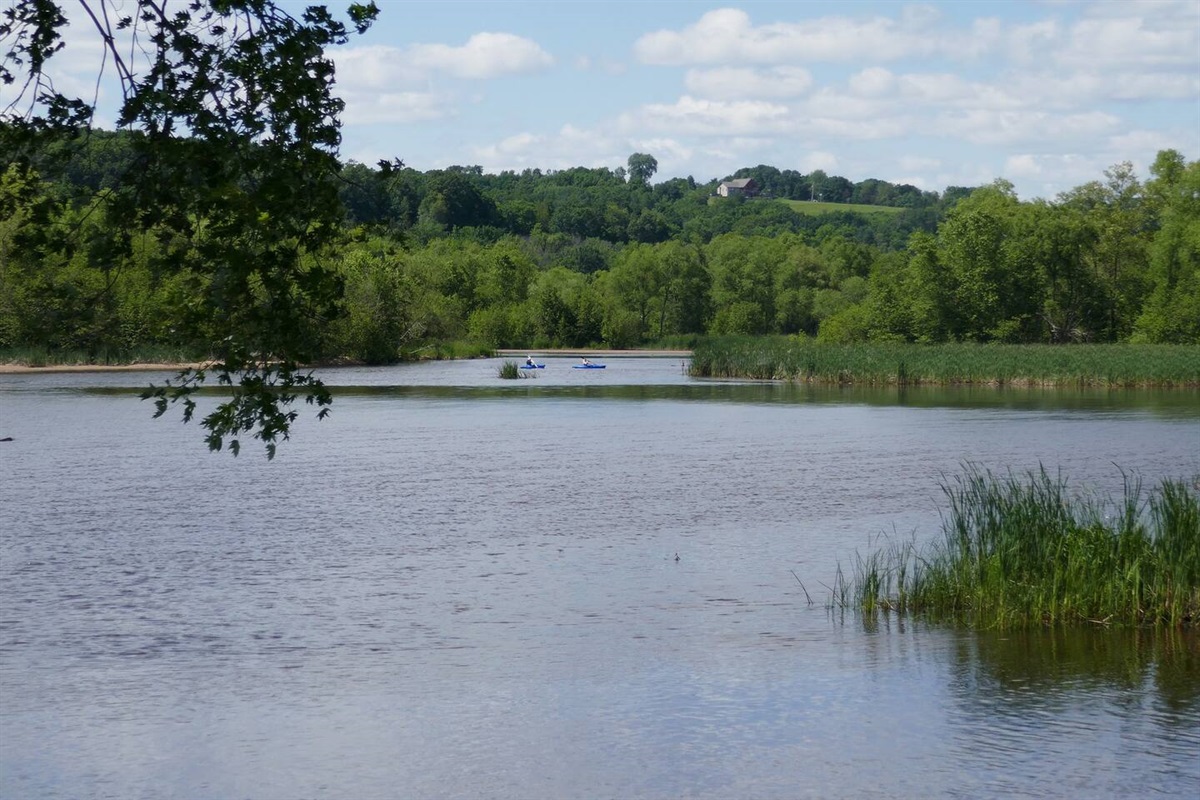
pixel 812 209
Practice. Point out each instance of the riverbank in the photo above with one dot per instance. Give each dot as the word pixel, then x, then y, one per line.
pixel 24 369
pixel 805 360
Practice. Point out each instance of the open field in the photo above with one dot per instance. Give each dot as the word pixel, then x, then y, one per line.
pixel 813 208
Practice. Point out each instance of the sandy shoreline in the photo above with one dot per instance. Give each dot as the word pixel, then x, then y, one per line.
pixel 24 369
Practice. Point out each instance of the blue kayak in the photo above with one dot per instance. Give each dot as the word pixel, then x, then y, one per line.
pixel 589 366
pixel 533 366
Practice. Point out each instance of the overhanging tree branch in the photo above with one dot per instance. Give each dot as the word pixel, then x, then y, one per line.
pixel 235 130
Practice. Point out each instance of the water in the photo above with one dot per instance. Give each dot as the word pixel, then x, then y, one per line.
pixel 459 586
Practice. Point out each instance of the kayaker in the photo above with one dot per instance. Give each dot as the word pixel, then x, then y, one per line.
pixel 529 361
pixel 585 361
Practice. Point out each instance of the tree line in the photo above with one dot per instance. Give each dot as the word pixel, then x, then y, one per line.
pixel 220 220
pixel 585 257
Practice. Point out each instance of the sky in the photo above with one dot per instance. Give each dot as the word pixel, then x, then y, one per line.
pixel 1047 95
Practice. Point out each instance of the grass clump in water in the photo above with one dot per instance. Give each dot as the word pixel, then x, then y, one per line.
pixel 510 370
pixel 1021 551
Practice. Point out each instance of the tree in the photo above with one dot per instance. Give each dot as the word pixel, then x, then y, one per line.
pixel 1116 217
pixel 642 168
pixel 1172 311
pixel 453 201
pixel 234 135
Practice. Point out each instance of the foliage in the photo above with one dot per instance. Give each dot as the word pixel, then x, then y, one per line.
pixel 233 133
pixel 1022 550
pixel 600 257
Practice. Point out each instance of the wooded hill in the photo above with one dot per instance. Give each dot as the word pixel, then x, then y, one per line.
pixel 587 256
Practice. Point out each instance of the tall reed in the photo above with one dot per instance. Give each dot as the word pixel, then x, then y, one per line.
pixel 1022 550
pixel 798 358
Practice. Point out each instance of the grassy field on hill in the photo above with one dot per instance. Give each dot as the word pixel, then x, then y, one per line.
pixel 813 209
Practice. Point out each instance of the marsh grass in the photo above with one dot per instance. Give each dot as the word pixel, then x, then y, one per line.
pixel 145 354
pixel 511 370
pixel 801 359
pixel 1023 550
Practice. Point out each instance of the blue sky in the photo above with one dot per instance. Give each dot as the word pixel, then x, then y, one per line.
pixel 1044 94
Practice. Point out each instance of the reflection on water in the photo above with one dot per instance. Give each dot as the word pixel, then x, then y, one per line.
pixel 460 586
pixel 1133 693
pixel 1062 662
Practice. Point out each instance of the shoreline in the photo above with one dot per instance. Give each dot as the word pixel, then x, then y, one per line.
pixel 25 369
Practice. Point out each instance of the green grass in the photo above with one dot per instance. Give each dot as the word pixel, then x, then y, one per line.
pixel 1019 551
pixel 790 358
pixel 146 354
pixel 812 209
pixel 510 370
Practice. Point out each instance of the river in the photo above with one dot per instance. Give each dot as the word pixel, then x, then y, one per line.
pixel 587 584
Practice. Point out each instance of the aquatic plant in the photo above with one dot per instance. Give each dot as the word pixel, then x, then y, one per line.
pixel 509 370
pixel 1023 550
pixel 802 359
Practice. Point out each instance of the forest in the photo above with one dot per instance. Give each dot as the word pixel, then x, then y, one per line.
pixel 607 257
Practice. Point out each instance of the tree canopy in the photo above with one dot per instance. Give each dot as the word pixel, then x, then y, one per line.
pixel 232 167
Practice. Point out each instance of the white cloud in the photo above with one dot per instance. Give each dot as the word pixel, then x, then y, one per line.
pixel 1024 165
pixel 864 129
pixel 372 80
pixel 1030 43
pixel 395 107
pixel 570 146
pixel 1143 141
pixel 731 83
pixel 1133 40
pixel 817 159
pixel 709 117
pixel 664 149
pixel 727 36
pixel 872 82
pixel 375 67
pixel 485 55
pixel 1007 128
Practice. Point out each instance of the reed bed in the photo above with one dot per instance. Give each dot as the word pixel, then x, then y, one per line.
pixel 803 359
pixel 1018 551
pixel 145 354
